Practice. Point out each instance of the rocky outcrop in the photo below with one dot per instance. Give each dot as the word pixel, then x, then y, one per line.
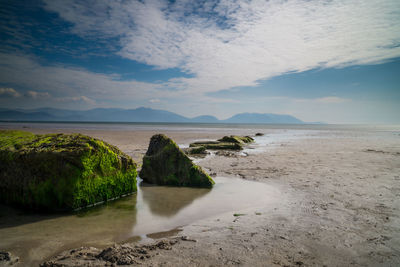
pixel 232 142
pixel 195 151
pixel 165 164
pixel 237 139
pixel 217 145
pixel 61 172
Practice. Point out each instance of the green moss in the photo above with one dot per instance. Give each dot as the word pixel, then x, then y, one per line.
pixel 232 142
pixel 237 139
pixel 217 145
pixel 198 150
pixel 165 164
pixel 58 171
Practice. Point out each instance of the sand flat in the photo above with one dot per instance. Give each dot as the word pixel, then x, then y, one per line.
pixel 340 200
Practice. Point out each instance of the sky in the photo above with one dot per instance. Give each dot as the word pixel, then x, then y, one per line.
pixel 334 61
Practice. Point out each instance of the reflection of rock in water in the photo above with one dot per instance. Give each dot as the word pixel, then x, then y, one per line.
pixel 168 201
pixel 122 213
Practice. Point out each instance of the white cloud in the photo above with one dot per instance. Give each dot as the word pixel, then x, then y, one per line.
pixel 84 99
pixel 155 100
pixel 9 92
pixel 35 94
pixel 242 42
pixel 61 81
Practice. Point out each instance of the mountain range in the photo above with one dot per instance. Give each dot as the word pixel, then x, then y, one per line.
pixel 134 115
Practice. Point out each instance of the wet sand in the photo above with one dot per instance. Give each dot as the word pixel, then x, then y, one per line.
pixel 340 202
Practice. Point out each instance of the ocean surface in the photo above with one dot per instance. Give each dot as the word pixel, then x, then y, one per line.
pixel 194 126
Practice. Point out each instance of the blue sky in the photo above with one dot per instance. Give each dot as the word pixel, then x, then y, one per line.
pixel 332 61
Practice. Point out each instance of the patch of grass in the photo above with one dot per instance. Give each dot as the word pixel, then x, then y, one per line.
pixel 238 214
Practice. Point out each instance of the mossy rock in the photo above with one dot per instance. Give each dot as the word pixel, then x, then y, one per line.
pixel 60 171
pixel 237 139
pixel 166 164
pixel 200 150
pixel 217 145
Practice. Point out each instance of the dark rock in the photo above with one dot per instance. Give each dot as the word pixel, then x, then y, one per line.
pixel 5 256
pixel 200 150
pixel 236 139
pixel 60 171
pixel 121 255
pixel 232 142
pixel 166 164
pixel 217 145
pixel 259 134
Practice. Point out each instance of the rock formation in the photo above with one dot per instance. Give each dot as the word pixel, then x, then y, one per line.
pixel 232 142
pixel 165 164
pixel 61 172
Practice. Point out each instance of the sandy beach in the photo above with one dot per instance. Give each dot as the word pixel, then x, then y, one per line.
pixel 338 201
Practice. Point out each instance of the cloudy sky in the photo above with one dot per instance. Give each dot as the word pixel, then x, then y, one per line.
pixel 336 61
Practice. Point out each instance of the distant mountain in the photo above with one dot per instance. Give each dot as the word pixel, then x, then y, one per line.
pixel 205 119
pixel 133 115
pixel 14 115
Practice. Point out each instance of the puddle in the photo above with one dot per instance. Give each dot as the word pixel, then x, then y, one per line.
pixel 150 213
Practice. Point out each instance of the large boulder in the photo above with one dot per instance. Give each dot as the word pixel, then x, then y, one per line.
pixel 60 171
pixel 166 164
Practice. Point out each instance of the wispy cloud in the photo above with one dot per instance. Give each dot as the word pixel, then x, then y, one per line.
pixel 83 99
pixel 154 100
pixel 225 44
pixel 62 81
pixel 35 94
pixel 9 92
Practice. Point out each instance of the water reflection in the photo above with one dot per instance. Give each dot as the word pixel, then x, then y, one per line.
pixel 167 201
pixel 154 209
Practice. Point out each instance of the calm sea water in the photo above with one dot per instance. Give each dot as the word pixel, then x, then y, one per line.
pixel 194 126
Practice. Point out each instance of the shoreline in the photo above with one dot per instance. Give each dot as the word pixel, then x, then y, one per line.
pixel 340 208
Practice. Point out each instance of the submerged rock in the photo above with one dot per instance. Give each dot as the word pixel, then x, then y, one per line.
pixel 165 164
pixel 60 171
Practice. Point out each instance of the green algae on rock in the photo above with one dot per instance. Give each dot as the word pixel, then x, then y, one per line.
pixel 166 164
pixel 195 151
pixel 233 142
pixel 60 171
pixel 237 139
pixel 217 145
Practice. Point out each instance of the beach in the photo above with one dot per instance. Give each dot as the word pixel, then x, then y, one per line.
pixel 334 199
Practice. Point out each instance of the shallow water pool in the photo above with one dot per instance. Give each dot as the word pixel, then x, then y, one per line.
pixel 152 209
